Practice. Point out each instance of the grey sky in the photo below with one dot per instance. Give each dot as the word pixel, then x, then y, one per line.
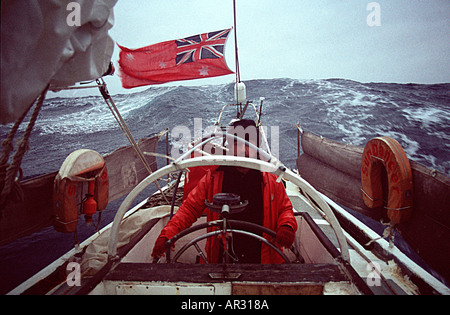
pixel 302 39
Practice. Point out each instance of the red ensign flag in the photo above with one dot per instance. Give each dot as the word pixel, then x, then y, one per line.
pixel 194 57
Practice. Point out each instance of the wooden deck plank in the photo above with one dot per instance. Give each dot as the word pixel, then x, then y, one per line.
pixel 199 273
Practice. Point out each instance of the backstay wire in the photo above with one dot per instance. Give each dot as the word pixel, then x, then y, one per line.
pixel 115 112
pixel 238 74
pixel 236 55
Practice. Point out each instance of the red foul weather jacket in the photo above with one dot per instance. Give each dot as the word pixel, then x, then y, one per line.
pixel 277 212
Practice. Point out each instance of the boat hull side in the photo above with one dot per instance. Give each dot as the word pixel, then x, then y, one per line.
pixel 334 169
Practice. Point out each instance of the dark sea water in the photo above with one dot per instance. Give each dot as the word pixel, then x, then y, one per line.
pixel 416 115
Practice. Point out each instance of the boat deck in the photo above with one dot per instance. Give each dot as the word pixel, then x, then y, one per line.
pixel 248 278
pixel 321 274
pixel 300 205
pixel 323 271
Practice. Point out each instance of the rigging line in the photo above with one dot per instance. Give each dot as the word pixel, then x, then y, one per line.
pixel 11 183
pixel 238 74
pixel 113 108
pixel 7 146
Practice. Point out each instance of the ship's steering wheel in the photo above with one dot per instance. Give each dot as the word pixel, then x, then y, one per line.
pixel 226 204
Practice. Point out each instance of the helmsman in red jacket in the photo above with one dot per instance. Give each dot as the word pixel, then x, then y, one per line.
pixel 268 205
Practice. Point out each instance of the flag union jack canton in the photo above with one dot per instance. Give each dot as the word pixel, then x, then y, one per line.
pixel 203 46
pixel 193 57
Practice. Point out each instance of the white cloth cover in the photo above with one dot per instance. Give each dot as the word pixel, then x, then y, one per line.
pixel 96 254
pixel 39 46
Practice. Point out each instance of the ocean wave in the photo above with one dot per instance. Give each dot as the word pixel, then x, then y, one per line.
pixel 416 115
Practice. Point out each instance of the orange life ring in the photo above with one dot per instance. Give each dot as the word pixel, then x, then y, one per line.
pixel 79 168
pixel 386 152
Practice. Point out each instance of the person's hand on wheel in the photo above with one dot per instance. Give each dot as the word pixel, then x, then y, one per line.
pixel 285 236
pixel 160 247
